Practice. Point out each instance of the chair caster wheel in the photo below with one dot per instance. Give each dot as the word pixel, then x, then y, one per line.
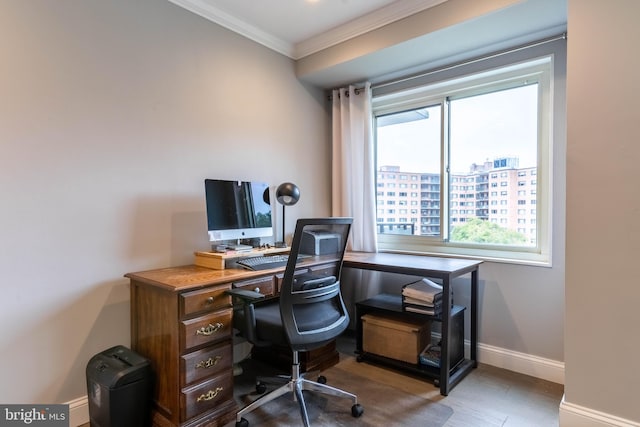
pixel 322 379
pixel 436 383
pixel 357 410
pixel 242 423
pixel 359 359
pixel 260 389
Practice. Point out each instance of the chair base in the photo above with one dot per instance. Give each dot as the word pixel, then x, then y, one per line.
pixel 279 356
pixel 296 384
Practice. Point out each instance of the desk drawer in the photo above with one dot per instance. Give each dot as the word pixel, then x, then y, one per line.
pixel 264 285
pixel 203 300
pixel 205 329
pixel 280 276
pixel 205 363
pixel 205 396
pixel 326 270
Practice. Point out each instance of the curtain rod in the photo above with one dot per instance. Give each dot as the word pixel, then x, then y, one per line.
pixel 562 36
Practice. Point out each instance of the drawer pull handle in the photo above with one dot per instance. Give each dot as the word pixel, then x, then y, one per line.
pixel 209 330
pixel 211 394
pixel 209 362
pixel 209 300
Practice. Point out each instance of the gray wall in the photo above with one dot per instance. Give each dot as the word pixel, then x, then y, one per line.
pixel 603 204
pixel 112 113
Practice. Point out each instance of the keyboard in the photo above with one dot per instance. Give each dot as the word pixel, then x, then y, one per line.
pixel 263 262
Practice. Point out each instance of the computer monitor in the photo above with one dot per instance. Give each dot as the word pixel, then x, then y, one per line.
pixel 237 210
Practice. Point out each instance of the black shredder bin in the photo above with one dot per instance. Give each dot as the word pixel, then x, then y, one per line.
pixel 119 388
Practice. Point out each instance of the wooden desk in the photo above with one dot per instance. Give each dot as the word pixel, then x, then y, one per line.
pixel 445 269
pixel 181 320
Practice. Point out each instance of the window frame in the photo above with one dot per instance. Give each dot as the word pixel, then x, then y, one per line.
pixel 438 92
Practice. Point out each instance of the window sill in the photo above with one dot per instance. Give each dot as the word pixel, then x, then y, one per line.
pixel 529 258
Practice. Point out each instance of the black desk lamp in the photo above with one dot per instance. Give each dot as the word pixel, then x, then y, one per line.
pixel 287 194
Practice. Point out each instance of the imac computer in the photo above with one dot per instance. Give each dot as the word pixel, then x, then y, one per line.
pixel 237 210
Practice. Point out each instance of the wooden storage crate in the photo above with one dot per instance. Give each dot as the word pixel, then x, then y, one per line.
pixel 400 339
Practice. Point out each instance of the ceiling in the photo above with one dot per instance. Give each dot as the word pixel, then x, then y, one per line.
pixel 300 28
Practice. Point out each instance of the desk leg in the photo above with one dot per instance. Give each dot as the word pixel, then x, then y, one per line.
pixel 473 312
pixel 359 313
pixel 445 364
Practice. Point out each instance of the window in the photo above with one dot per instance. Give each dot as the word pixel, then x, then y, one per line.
pixel 488 128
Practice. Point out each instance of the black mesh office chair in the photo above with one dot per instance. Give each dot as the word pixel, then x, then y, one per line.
pixel 309 313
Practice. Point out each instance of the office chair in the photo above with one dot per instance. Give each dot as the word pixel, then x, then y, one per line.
pixel 308 314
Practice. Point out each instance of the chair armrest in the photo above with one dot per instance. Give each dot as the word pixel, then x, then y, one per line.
pixel 246 295
pixel 246 323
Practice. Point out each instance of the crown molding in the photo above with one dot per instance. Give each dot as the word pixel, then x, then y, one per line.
pixel 362 25
pixel 369 22
pixel 236 25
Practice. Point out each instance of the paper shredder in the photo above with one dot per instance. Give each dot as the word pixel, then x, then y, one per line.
pixel 119 388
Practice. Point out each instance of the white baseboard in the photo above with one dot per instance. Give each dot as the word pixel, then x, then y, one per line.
pixel 539 367
pixel 572 415
pixel 78 411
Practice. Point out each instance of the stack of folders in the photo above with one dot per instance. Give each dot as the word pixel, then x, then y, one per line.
pixel 423 296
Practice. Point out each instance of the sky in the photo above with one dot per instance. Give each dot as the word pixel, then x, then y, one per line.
pixel 484 127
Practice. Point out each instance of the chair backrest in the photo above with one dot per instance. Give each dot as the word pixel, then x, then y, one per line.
pixel 311 306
